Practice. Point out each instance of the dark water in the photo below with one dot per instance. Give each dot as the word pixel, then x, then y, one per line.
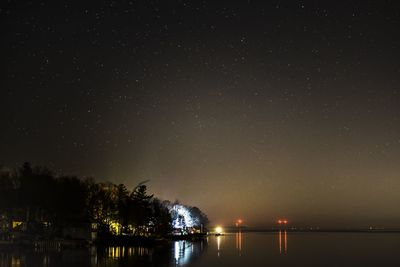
pixel 238 249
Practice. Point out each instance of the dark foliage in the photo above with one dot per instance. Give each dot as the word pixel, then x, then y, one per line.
pixel 37 197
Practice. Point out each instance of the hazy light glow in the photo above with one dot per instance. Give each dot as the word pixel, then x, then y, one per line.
pixel 218 230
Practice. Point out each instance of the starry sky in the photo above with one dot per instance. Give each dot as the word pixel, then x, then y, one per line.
pixel 247 109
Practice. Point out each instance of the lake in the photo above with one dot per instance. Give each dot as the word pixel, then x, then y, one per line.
pixel 237 249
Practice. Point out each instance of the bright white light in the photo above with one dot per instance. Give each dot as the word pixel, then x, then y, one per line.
pixel 218 230
pixel 184 218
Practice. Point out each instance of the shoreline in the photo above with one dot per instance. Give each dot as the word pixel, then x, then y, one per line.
pixel 151 242
pixel 60 243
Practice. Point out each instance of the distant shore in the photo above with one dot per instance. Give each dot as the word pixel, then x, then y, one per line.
pixel 308 230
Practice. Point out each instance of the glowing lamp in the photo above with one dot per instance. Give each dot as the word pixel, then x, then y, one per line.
pixel 218 230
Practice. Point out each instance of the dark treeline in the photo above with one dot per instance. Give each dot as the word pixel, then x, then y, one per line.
pixel 47 205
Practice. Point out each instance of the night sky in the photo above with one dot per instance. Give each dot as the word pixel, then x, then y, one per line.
pixel 247 109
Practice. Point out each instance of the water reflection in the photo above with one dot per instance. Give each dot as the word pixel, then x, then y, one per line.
pixel 229 238
pixel 186 251
pixel 239 242
pixel 282 242
pixel 93 256
pixel 218 245
pixel 183 251
pixel 236 249
pixel 15 262
pixel 177 253
pixel 122 252
pixel 12 260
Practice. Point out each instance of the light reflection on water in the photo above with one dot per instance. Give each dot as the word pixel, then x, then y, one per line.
pixel 235 249
pixel 218 244
pixel 183 252
pixel 122 252
pixel 282 237
pixel 282 243
pixel 238 236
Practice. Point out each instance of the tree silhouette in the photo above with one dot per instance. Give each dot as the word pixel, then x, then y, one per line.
pixel 37 197
pixel 140 207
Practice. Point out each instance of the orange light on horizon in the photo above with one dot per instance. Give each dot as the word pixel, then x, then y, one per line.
pixel 283 221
